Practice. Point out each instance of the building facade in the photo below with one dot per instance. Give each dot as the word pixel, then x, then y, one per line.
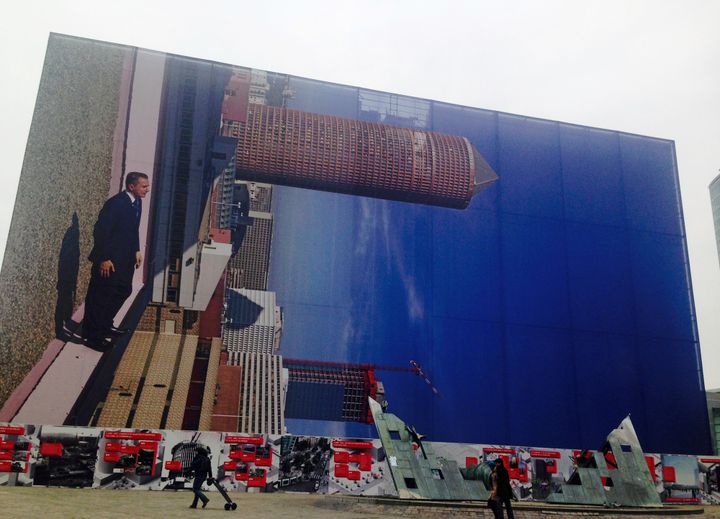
pixel 320 390
pixel 316 151
pixel 248 268
pixel 252 323
pixel 263 386
pixel 192 160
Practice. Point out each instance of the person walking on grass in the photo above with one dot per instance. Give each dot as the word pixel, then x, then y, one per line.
pixel 202 469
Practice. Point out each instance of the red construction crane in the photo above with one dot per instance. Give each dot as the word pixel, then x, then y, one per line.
pixel 414 368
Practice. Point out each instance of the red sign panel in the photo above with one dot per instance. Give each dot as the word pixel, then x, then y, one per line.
pixel 651 467
pixel 129 449
pixel 173 465
pixel 346 444
pixel 247 456
pixel 682 499
pixel 251 440
pixel 111 457
pixel 258 481
pixel 363 459
pixel 341 457
pixel 669 474
pixel 9 429
pixel 498 450
pixel 544 454
pixel 264 462
pixel 130 435
pixel 519 473
pixel 341 471
pixel 51 449
pixel 710 460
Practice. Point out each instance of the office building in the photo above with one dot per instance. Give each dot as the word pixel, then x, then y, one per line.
pixel 320 390
pixel 191 158
pixel 248 268
pixel 260 394
pixel 252 323
pixel 301 149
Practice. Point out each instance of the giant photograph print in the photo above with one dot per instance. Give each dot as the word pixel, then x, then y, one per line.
pixel 201 246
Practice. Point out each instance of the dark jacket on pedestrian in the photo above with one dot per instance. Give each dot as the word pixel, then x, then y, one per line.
pixel 503 489
pixel 202 468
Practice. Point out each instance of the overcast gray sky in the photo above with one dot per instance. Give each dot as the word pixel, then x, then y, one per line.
pixel 650 67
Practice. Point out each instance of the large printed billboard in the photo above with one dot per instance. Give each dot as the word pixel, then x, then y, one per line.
pixel 295 247
pixel 617 474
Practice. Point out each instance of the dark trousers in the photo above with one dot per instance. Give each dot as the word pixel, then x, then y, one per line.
pixel 104 299
pixel 197 490
pixel 498 508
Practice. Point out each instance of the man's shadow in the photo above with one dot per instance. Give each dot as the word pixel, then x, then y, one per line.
pixel 68 267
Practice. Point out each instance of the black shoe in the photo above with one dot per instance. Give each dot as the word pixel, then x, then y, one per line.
pixel 192 506
pixel 66 335
pixel 100 345
pixel 205 503
pixel 119 331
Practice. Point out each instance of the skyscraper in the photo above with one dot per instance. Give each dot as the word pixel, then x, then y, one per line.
pixel 248 268
pixel 251 394
pixel 329 391
pixel 314 151
pixel 191 157
pixel 253 323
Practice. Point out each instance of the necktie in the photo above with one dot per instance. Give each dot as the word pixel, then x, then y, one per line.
pixel 136 206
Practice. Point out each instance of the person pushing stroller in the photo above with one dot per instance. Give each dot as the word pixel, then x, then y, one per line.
pixel 202 469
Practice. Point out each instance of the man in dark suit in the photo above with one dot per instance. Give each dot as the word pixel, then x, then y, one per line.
pixel 115 256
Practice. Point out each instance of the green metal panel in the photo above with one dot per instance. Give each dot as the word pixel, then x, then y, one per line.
pixel 629 484
pixel 420 474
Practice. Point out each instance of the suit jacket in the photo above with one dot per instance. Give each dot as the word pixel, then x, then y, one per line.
pixel 116 235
